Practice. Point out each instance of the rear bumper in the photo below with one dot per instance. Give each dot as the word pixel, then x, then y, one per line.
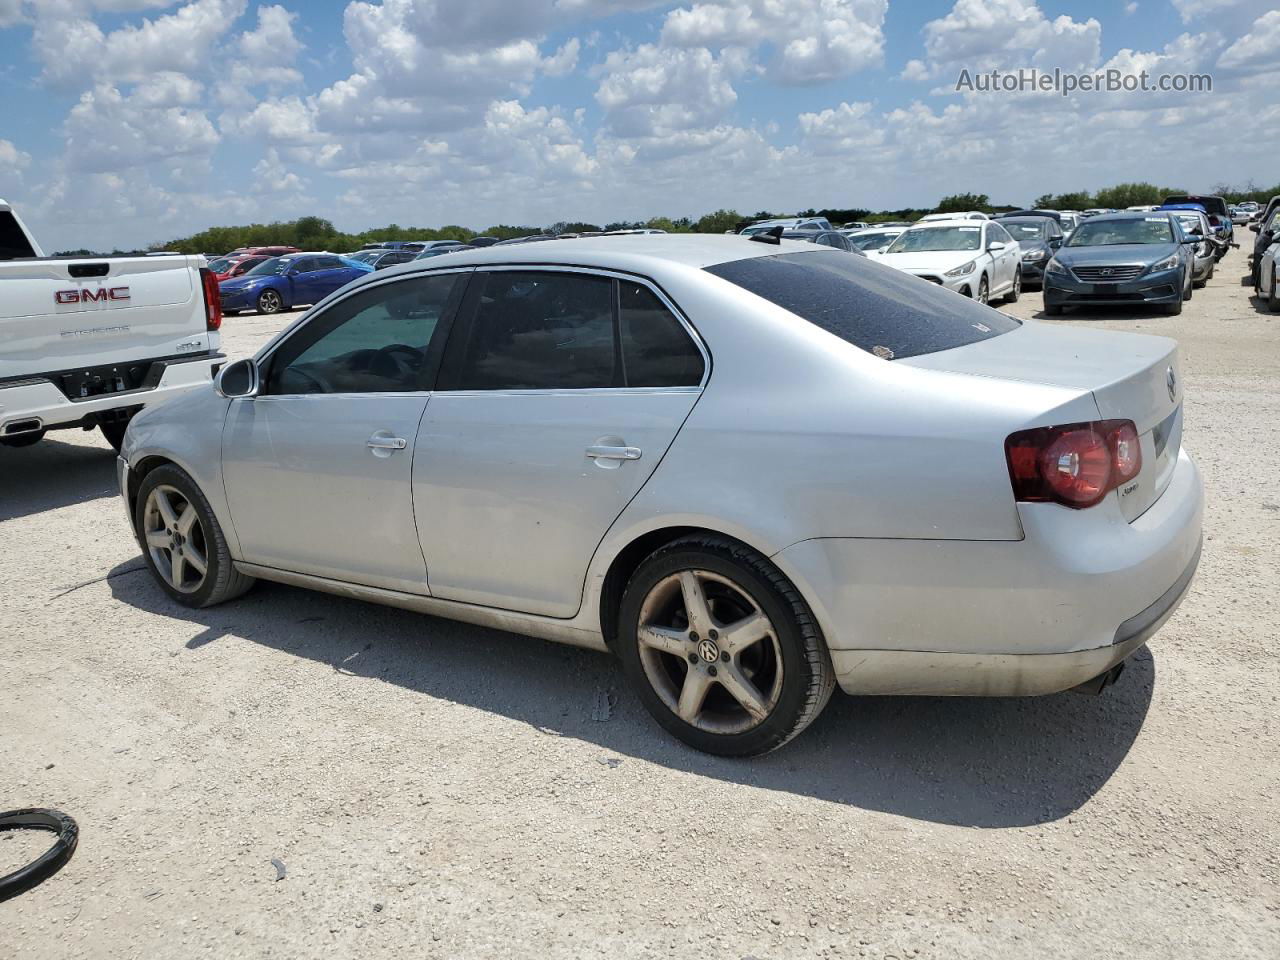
pixel 1156 288
pixel 39 398
pixel 1033 616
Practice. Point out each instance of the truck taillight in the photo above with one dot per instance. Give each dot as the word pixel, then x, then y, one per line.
pixel 212 299
pixel 1076 464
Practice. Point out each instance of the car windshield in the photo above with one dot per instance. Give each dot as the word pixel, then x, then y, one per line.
pixel 269 268
pixel 1025 229
pixel 872 241
pixel 877 308
pixel 220 265
pixel 925 239
pixel 1111 233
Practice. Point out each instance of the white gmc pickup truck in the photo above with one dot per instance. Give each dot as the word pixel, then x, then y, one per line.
pixel 88 341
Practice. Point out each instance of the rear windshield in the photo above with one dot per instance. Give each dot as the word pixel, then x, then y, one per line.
pixel 13 242
pixel 882 310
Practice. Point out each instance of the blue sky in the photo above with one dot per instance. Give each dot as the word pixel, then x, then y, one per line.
pixel 134 121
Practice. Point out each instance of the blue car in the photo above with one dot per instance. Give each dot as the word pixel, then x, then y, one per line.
pixel 1122 259
pixel 283 283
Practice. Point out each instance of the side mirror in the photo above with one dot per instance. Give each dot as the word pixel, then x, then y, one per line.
pixel 1055 242
pixel 995 245
pixel 236 380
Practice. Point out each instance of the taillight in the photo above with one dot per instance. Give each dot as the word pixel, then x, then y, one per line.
pixel 1076 464
pixel 212 299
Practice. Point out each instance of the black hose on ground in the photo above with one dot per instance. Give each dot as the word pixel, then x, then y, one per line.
pixel 51 861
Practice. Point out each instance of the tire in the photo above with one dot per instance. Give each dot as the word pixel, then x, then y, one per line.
pixel 1173 309
pixel 220 581
pixel 23 439
pixel 1052 309
pixel 270 301
pixel 1189 288
pixel 737 587
pixel 114 432
pixel 1013 295
pixel 1273 298
pixel 984 290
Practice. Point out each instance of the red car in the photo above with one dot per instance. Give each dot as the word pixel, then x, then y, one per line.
pixel 234 264
pixel 263 251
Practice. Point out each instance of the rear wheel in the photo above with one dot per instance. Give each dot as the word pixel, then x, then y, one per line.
pixel 182 542
pixel 269 301
pixel 722 649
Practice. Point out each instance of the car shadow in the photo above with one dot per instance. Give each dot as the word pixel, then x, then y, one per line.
pixel 52 474
pixel 1110 312
pixel 974 762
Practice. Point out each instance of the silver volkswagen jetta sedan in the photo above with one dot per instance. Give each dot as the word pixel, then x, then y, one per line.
pixel 752 470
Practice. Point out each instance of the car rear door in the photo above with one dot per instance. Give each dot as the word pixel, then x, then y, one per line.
pixel 317 467
pixel 560 393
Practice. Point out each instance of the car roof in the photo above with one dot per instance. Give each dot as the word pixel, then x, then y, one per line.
pixel 639 253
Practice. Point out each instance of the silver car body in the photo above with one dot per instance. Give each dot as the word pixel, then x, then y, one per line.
pixel 879 488
pixel 1204 258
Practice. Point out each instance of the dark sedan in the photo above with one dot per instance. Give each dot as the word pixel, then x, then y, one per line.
pixel 1038 237
pixel 1121 258
pixel 824 238
pixel 381 259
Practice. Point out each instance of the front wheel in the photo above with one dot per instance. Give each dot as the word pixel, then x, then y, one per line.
pixel 984 291
pixel 1052 309
pixel 269 301
pixel 181 540
pixel 1189 288
pixel 1273 297
pixel 722 649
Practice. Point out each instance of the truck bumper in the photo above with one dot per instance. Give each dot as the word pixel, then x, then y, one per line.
pixel 31 404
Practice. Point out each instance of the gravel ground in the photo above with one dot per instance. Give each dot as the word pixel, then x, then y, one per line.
pixel 462 793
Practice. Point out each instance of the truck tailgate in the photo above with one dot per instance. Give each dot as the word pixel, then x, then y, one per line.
pixel 59 314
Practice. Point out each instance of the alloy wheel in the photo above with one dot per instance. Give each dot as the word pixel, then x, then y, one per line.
pixel 270 302
pixel 710 652
pixel 984 293
pixel 175 539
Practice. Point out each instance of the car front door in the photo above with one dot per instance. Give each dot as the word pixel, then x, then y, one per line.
pixel 560 393
pixel 317 467
pixel 1006 260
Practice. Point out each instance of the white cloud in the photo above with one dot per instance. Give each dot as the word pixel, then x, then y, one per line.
pixel 815 41
pixel 109 132
pixel 1131 8
pixel 75 50
pixel 989 34
pixel 654 90
pixel 13 159
pixel 1259 49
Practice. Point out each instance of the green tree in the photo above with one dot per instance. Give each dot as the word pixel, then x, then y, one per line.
pixel 1131 195
pixel 959 202
pixel 718 222
pixel 661 223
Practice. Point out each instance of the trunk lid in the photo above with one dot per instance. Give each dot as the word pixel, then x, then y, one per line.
pixel 60 314
pixel 1131 376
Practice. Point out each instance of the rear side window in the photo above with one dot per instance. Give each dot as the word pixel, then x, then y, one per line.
pixel 13 242
pixel 539 330
pixel 882 310
pixel 656 349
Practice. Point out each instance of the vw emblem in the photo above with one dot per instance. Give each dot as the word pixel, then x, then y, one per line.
pixel 708 651
pixel 1171 379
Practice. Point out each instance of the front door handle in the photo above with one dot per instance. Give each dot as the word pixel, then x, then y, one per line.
pixel 377 442
pixel 603 452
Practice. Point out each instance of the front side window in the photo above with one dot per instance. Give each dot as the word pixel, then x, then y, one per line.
pixel 380 340
pixel 538 330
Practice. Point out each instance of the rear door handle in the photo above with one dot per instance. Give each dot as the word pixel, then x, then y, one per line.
pixel 600 452
pixel 387 443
